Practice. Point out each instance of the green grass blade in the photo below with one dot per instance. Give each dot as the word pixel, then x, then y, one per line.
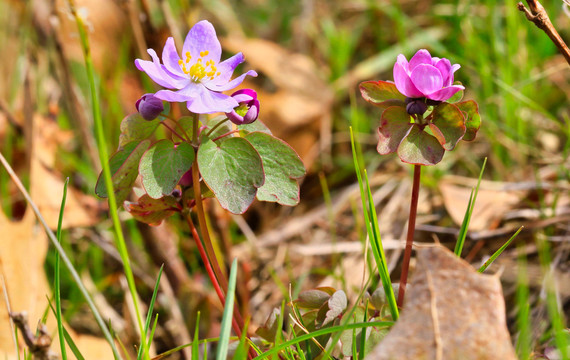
pixel 195 342
pixel 57 288
pixel 499 252
pixel 103 157
pixel 13 328
pixel 373 230
pixel 524 339
pixel 554 310
pixel 226 328
pixel 151 308
pixel 72 345
pixel 320 332
pixel 468 213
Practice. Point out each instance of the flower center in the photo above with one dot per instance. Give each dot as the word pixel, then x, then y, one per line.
pixel 200 69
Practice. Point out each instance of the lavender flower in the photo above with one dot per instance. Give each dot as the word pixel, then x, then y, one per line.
pixel 198 77
pixel 248 108
pixel 425 76
pixel 149 106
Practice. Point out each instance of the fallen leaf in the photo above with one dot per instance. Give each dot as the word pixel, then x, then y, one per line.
pixel 490 205
pixel 452 312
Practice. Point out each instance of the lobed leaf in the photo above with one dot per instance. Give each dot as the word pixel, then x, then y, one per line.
pixel 314 298
pixel 448 125
pixel 134 127
pixel 470 111
pixel 257 125
pixel 124 170
pixel 394 126
pixel 420 148
pixel 337 303
pixel 163 165
pixel 382 93
pixel 282 166
pixel 233 171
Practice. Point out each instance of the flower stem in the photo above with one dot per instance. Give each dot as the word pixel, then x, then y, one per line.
pixel 410 237
pixel 209 270
pixel 216 126
pixel 219 277
pixel 226 134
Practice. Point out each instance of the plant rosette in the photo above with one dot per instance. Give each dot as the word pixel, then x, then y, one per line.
pixel 422 113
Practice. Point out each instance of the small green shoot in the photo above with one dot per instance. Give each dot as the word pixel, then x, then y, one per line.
pixel 57 288
pixel 468 213
pixel 499 252
pixel 226 326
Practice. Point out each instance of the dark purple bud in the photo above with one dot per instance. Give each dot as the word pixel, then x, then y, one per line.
pixel 186 179
pixel 149 106
pixel 176 193
pixel 415 106
pixel 248 109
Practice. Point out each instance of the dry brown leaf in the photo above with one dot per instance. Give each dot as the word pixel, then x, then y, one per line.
pixel 22 256
pixel 452 312
pixel 47 187
pixel 490 205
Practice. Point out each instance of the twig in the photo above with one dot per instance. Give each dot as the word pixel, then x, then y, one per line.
pixel 38 345
pixel 537 14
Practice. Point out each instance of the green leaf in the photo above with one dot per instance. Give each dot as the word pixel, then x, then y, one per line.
pixel 457 96
pixel 448 125
pixel 151 211
pixel 470 111
pixel 346 338
pixel 257 125
pixel 269 330
pixel 420 148
pixel 233 171
pixel 123 165
pixel 134 127
pixel 394 126
pixel 382 93
pixel 282 166
pixel 163 165
pixel 186 123
pixel 221 124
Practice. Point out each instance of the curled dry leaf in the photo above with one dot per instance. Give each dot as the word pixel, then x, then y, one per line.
pixel 452 312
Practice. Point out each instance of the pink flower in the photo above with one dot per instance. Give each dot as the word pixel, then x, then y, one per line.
pixel 198 78
pixel 248 108
pixel 425 76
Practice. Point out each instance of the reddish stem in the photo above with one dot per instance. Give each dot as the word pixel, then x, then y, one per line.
pixel 210 271
pixel 410 238
pixel 226 134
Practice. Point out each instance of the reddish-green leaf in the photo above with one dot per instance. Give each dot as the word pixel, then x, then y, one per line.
pixel 232 170
pixel 420 148
pixel 337 304
pixel 124 170
pixel 314 298
pixel 163 165
pixel 282 167
pixel 382 93
pixel 448 125
pixel 394 126
pixel 134 127
pixel 470 111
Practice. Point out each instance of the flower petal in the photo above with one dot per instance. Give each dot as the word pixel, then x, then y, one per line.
pixel 444 66
pixel 208 102
pixel 202 37
pixel 226 69
pixel 404 83
pixel 421 57
pixel 186 94
pixel 445 93
pixel 230 85
pixel 401 59
pixel 427 79
pixel 157 72
pixel 170 58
